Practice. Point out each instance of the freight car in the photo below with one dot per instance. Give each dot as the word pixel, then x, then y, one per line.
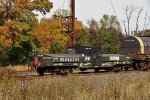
pixel 138 49
pixel 79 57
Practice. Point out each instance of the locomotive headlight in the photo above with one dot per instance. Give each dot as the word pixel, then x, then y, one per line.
pixel 87 58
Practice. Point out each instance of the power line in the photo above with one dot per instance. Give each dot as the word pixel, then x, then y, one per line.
pixel 63 4
pixel 114 11
pixel 113 8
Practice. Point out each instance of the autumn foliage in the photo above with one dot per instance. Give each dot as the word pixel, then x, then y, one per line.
pixel 22 34
pixel 17 21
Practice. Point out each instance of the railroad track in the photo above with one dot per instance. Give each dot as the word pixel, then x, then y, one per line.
pixel 86 73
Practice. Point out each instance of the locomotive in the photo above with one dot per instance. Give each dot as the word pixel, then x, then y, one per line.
pixel 79 57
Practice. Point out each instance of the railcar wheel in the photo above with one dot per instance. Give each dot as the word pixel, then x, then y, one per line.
pixel 63 72
pixel 125 67
pixel 117 68
pixel 145 66
pixel 136 65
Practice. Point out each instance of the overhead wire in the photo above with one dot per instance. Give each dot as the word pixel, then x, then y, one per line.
pixel 114 11
pixel 113 8
pixel 63 4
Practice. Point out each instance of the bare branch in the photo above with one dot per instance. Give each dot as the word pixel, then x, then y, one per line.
pixel 129 11
pixel 137 20
pixel 125 28
pixel 144 27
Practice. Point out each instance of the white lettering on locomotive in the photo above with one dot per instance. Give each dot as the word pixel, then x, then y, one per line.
pixel 68 59
pixel 114 58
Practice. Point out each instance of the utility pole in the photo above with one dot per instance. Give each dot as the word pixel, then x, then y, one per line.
pixel 72 32
pixel 68 22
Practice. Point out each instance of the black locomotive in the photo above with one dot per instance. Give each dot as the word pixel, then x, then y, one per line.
pixel 79 57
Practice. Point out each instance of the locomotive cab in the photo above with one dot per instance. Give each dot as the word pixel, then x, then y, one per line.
pixel 93 53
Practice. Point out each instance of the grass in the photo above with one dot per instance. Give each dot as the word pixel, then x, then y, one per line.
pixel 18 68
pixel 73 87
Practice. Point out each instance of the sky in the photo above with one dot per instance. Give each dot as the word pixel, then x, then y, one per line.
pixel 88 9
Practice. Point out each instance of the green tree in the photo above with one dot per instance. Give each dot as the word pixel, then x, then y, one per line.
pixel 83 38
pixel 107 33
pixel 110 33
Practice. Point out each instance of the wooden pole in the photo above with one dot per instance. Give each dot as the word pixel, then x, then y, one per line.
pixel 72 34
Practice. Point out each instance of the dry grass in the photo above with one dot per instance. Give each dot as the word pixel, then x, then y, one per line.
pixel 18 68
pixel 74 87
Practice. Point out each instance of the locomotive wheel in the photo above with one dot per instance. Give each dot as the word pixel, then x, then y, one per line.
pixel 70 71
pixel 63 72
pixel 81 69
pixel 96 70
pixel 51 71
pixel 40 71
pixel 108 70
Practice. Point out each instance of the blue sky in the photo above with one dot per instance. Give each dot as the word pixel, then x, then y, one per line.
pixel 87 9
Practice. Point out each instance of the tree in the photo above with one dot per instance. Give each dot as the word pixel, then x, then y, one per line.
pixel 48 31
pixel 83 38
pixel 61 13
pixel 146 21
pixel 54 30
pixel 129 12
pixel 137 20
pixel 108 22
pixel 110 33
pixel 145 32
pixel 106 34
pixel 16 23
